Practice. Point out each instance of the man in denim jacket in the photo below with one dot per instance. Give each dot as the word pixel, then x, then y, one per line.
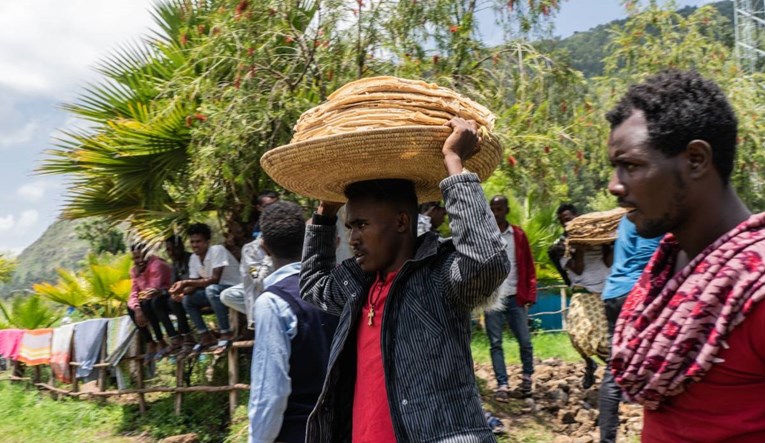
pixel 400 367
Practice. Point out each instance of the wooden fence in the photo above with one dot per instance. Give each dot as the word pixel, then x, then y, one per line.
pixel 102 366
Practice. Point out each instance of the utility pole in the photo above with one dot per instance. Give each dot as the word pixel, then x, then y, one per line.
pixel 749 23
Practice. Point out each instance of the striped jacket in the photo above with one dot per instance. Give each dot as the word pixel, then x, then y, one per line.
pixel 428 366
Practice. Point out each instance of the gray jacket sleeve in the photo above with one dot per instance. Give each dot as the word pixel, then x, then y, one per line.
pixel 480 263
pixel 317 284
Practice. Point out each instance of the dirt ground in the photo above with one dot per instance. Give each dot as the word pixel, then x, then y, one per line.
pixel 559 410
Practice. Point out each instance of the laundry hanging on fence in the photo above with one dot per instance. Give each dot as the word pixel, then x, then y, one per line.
pixel 88 337
pixel 61 352
pixel 35 347
pixel 119 338
pixel 10 339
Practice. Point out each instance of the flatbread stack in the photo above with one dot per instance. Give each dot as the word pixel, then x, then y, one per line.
pixel 375 128
pixel 595 228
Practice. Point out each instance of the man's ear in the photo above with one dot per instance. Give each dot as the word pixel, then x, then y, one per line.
pixel 403 222
pixel 699 157
pixel 265 249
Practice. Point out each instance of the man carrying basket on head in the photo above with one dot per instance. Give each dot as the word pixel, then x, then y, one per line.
pixel 400 367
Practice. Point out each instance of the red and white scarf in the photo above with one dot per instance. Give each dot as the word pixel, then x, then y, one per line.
pixel 672 328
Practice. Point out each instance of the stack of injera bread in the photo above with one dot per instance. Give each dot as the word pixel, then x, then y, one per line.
pixel 385 102
pixel 379 128
pixel 595 228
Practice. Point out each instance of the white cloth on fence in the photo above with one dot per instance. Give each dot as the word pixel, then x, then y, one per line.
pixel 119 336
pixel 88 337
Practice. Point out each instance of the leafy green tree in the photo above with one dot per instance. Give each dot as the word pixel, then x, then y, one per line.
pixel 28 312
pixel 102 236
pixel 655 38
pixel 182 119
pixel 7 266
pixel 101 289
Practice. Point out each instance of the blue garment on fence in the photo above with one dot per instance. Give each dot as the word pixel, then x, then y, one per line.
pixel 631 255
pixel 88 336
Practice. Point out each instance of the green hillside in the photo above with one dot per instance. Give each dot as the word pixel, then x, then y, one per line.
pixel 586 49
pixel 57 247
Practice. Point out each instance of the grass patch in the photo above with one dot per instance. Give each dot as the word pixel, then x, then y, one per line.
pixel 27 416
pixel 546 345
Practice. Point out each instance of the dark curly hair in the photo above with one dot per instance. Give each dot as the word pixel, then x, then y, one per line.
pixel 681 106
pixel 566 207
pixel 283 228
pixel 400 194
pixel 199 229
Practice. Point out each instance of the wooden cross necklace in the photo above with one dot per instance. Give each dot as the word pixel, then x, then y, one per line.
pixel 373 301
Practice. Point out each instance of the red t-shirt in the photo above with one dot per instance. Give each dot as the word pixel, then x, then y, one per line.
pixel 728 404
pixel 371 414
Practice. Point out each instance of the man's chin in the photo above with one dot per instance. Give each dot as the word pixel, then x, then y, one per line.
pixel 648 229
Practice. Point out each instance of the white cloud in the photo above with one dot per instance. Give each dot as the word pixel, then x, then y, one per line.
pixel 32 191
pixel 7 222
pixel 19 136
pixel 50 46
pixel 19 226
pixel 26 220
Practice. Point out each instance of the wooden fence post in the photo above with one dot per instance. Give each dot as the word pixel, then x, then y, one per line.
pixel 233 363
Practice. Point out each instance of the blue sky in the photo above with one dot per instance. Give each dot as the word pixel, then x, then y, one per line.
pixel 47 51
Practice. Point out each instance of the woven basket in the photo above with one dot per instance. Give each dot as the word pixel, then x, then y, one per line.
pixel 321 168
pixel 595 228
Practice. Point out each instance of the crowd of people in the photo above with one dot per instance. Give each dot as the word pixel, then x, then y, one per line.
pixel 376 347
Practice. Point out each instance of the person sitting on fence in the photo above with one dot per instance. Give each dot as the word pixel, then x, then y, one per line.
pixel 587 268
pixel 151 278
pixel 516 293
pixel 179 258
pixel 211 270
pixel 292 337
pixel 254 266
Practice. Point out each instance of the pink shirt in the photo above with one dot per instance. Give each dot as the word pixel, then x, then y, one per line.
pixel 157 275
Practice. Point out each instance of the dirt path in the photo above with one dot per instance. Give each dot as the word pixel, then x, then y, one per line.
pixel 559 411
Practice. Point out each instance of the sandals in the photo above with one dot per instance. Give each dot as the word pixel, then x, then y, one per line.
pixel 496 425
pixel 222 347
pixel 501 395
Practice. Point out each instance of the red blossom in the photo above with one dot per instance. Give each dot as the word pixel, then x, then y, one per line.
pixel 200 117
pixel 184 39
pixel 289 39
pixel 454 28
pixel 240 8
pixel 511 160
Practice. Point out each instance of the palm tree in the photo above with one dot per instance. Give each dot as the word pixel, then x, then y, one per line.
pixel 28 312
pixel 126 165
pixel 101 289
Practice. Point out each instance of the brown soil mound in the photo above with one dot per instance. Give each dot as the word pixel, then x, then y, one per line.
pixel 559 410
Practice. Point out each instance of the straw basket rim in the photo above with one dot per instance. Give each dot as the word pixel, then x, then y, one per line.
pixel 322 167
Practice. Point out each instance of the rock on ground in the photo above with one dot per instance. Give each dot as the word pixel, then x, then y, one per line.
pixel 559 402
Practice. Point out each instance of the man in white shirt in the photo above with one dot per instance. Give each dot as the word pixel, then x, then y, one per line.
pixel 211 270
